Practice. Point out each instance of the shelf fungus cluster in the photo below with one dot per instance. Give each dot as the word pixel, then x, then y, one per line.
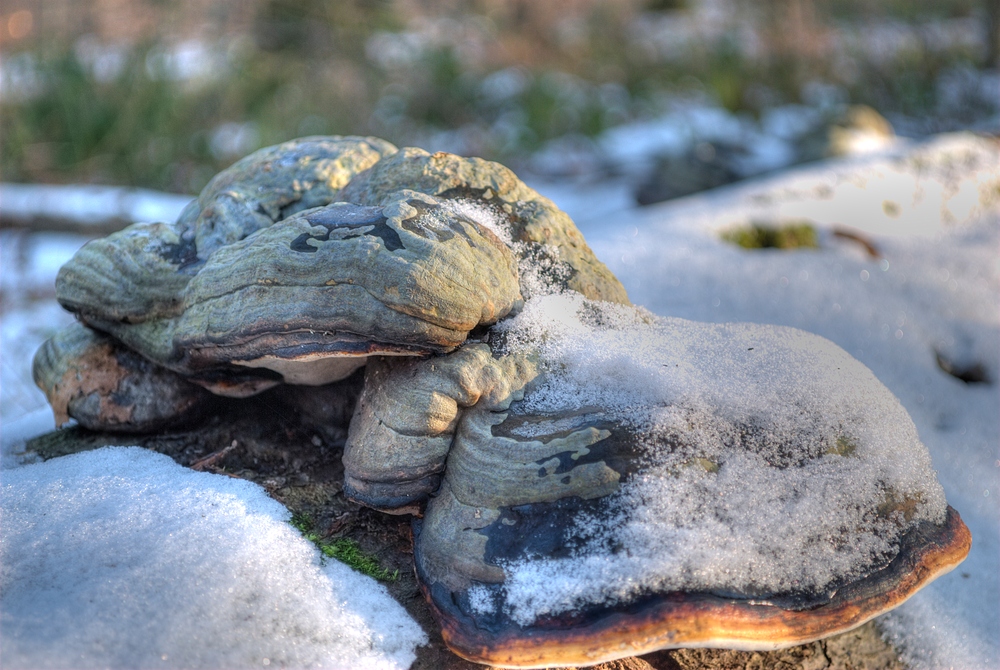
pixel 590 481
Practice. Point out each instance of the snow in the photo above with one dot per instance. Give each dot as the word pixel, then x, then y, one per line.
pixel 14 435
pixel 170 557
pixel 804 445
pixel 22 331
pixel 481 215
pixel 907 189
pixel 30 264
pixel 122 558
pixel 632 148
pixel 32 261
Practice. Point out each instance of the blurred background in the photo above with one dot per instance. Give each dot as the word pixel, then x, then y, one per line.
pixel 679 94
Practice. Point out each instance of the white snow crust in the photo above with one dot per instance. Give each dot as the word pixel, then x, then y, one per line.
pixel 119 558
pixel 30 264
pixel 806 441
pixel 482 215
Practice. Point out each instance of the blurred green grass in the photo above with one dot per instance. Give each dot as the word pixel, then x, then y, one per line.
pixel 762 235
pixel 317 67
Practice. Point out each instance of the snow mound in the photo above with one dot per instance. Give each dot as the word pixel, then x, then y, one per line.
pixel 773 462
pixel 120 558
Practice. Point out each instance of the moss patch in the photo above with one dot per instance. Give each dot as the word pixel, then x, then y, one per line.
pixel 758 235
pixel 845 447
pixel 345 550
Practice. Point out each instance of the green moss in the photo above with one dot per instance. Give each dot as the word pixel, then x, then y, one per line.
pixel 845 447
pixel 343 549
pixel 346 550
pixel 305 525
pixel 794 235
pixel 706 464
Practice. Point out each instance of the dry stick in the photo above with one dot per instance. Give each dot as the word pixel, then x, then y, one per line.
pixel 854 236
pixel 209 461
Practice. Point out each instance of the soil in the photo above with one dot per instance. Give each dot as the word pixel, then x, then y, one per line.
pixel 292 449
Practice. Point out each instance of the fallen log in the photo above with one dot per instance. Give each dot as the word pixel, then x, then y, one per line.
pixel 84 209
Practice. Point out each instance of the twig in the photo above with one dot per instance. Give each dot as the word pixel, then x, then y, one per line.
pixel 208 462
pixel 338 523
pixel 854 236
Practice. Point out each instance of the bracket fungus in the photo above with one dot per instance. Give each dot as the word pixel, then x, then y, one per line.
pixel 627 483
pixel 106 386
pixel 591 481
pixel 302 260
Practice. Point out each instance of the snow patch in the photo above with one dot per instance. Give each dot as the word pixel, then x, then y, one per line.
pixel 89 205
pixel 120 558
pixel 935 288
pixel 768 454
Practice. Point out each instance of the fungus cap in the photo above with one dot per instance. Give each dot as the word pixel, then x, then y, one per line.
pixel 545 235
pixel 689 620
pixel 302 260
pixel 90 377
pixel 305 300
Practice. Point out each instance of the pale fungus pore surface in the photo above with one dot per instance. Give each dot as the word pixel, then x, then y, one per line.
pixel 120 558
pixel 770 463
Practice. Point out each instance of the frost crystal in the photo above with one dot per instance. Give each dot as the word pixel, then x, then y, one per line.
pixel 483 215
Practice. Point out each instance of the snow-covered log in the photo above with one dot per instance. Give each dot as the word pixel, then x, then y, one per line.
pixel 84 209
